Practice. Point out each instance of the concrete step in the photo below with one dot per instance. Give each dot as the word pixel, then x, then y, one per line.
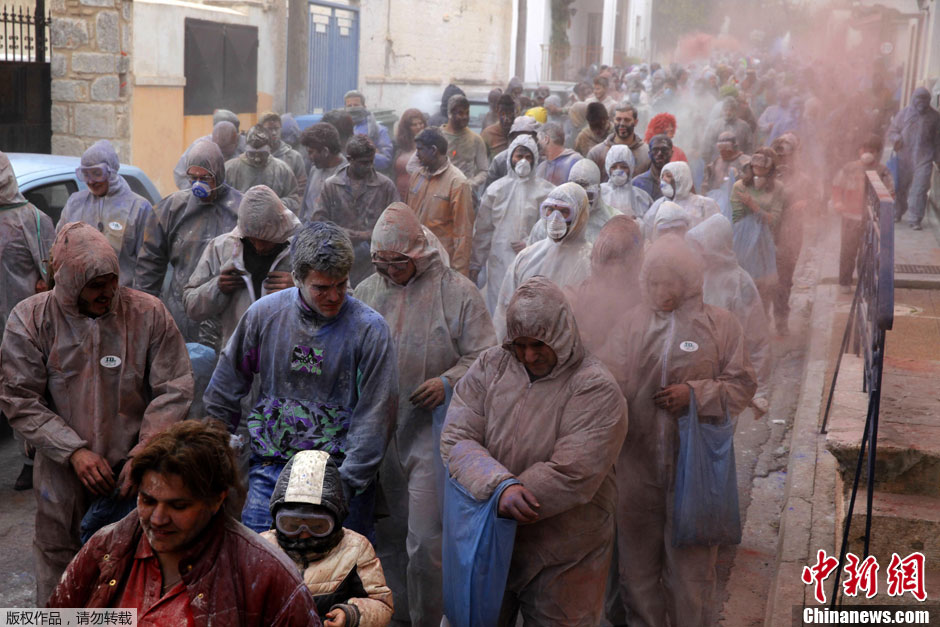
pixel 908 455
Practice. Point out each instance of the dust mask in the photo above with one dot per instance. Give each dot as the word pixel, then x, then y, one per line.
pixel 668 190
pixel 555 226
pixel 619 178
pixel 523 168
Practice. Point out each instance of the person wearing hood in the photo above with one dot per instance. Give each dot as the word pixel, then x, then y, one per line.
pixel 618 192
pixel 258 166
pixel 364 123
pixel 496 136
pixel 184 223
pixel 509 210
pixel 239 267
pixel 110 206
pixel 558 160
pixel 676 186
pixel 282 150
pixel 499 166
pixel 354 198
pixel 226 137
pixel 624 134
pixel 338 565
pixel 728 286
pixel 667 218
pixel 914 134
pixel 440 117
pixel 89 371
pixel 434 349
pixel 563 256
pixel 465 148
pixel 326 378
pixel 542 411
pixel 729 162
pixel 665 348
pixel 585 174
pixel 26 236
pixel 597 129
pixel 441 197
pixel 660 154
pixel 616 258
pixel 325 150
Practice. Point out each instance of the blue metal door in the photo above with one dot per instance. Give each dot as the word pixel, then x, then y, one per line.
pixel 334 54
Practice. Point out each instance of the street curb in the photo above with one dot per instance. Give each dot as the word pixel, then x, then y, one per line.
pixel 803 472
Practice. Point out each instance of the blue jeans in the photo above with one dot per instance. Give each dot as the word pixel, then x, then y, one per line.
pixel 262 477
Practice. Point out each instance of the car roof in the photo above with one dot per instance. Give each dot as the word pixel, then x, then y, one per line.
pixel 28 164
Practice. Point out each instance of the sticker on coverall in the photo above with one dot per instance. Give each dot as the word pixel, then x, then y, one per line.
pixel 110 361
pixel 115 226
pixel 688 346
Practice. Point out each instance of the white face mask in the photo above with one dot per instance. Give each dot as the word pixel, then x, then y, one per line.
pixel 523 168
pixel 555 226
pixel 619 178
pixel 667 189
pixel 868 158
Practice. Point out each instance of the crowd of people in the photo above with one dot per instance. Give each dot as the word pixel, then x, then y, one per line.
pixel 323 327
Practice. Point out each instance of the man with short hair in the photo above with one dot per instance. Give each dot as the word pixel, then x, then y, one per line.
pixel 326 378
pixel 354 198
pixel 496 136
pixel 272 123
pixel 660 154
pixel 441 197
pixel 558 159
pixel 364 123
pixel 729 121
pixel 596 131
pixel 729 162
pixel 110 206
pixel 541 413
pixel 465 149
pixel 625 119
pixel 325 150
pixel 257 166
pixel 601 85
pixel 179 559
pixel 89 371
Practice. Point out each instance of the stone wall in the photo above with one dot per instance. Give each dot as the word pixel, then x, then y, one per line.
pixel 91 82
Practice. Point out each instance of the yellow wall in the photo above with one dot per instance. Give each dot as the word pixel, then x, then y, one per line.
pixel 161 133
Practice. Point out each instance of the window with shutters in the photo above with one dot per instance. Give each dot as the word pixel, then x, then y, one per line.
pixel 221 66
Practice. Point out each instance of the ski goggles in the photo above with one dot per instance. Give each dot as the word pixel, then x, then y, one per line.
pixel 293 522
pixel 93 173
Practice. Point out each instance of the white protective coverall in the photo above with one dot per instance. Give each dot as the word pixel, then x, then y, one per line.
pixel 508 211
pixel 586 174
pixel 699 345
pixel 261 215
pixel 619 193
pixel 697 207
pixel 729 286
pixel 559 436
pixel 121 215
pixel 669 215
pixel 564 262
pixel 439 324
pixel 69 381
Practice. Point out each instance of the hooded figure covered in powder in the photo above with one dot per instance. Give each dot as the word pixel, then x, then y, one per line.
pixel 262 217
pixel 729 286
pixel 87 382
pixel 451 329
pixel 564 257
pixel 557 429
pixel 915 135
pixel 676 185
pixel 668 345
pixel 618 192
pixel 184 225
pixel 120 214
pixel 509 210
pixel 586 174
pixel 26 235
pixel 258 166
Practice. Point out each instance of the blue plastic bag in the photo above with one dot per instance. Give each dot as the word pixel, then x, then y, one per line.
pixel 892 166
pixel 477 551
pixel 722 196
pixel 754 247
pixel 706 509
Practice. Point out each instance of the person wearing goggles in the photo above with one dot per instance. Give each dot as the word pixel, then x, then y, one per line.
pixel 257 166
pixel 338 565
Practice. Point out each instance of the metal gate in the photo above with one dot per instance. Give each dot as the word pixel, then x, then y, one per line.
pixel 25 80
pixel 334 55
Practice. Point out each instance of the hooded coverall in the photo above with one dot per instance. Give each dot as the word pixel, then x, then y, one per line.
pixel 559 436
pixel 919 136
pixel 121 215
pixel 70 381
pixel 440 325
pixel 696 207
pixel 703 347
pixel 623 197
pixel 183 227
